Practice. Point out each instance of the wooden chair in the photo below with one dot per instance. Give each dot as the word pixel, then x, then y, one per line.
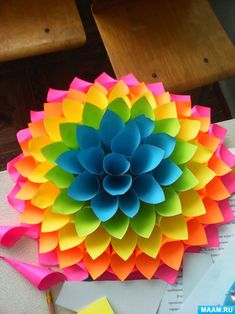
pixel 179 42
pixel 32 27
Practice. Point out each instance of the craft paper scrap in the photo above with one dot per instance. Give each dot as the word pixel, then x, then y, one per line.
pixel 131 296
pixel 106 179
pixel 174 295
pixel 100 306
pixel 213 287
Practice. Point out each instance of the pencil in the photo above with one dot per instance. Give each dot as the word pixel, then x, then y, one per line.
pixel 51 309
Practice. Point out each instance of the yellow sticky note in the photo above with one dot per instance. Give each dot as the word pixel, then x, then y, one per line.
pixel 100 306
pixel 202 173
pixel 96 97
pixel 35 146
pixel 52 222
pixel 97 242
pixel 38 174
pixel 118 90
pixel 166 111
pixel 188 129
pixel 68 237
pixel 73 110
pixel 45 195
pixel 52 126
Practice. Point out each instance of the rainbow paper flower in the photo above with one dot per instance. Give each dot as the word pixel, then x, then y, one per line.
pixel 121 178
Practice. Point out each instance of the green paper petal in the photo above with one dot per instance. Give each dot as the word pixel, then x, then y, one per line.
pixel 62 179
pixel 68 134
pixel 65 205
pixel 120 107
pixel 144 222
pixel 86 222
pixel 54 150
pixel 186 181
pixel 142 106
pixel 117 225
pixel 183 152
pixel 169 126
pixel 92 115
pixel 171 206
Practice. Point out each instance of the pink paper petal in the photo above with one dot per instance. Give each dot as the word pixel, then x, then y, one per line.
pixel 106 80
pixel 75 273
pixel 49 258
pixel 226 211
pixel 40 277
pixel 212 235
pixel 217 131
pixel 11 167
pixel 156 88
pixel 55 95
pixel 9 235
pixel 80 85
pixel 32 230
pixel 130 80
pixel 229 182
pixel 225 154
pixel 23 135
pixel 36 115
pixel 201 111
pixel 14 202
pixel 192 249
pixel 175 97
pixel 166 273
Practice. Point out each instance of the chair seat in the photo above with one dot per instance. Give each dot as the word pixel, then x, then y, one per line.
pixel 32 27
pixel 178 42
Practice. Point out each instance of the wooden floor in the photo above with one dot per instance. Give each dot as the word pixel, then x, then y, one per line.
pixel 24 83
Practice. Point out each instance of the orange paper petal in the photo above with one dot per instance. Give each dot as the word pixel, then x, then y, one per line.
pixel 171 253
pixel 48 241
pixel 209 141
pixel 196 233
pixel 147 265
pixel 122 268
pixel 69 257
pixel 31 214
pixel 218 166
pixel 25 166
pixel 213 213
pixel 53 109
pixel 96 267
pixel 216 190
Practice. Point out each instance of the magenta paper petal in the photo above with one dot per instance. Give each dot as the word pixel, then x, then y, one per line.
pixel 156 88
pixel 23 135
pixel 36 115
pixel 229 182
pixel 218 131
pixel 11 168
pixel 180 97
pixel 212 235
pixel 9 235
pixel 130 80
pixel 201 111
pixel 166 273
pixel 32 231
pixel 226 210
pixel 80 85
pixel 75 273
pixel 106 80
pixel 225 154
pixel 49 258
pixel 55 95
pixel 40 277
pixel 15 203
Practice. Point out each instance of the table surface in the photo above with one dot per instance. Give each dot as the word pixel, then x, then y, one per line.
pixel 29 300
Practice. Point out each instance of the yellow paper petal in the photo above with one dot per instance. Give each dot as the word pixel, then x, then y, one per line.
pixel 100 306
pixel 52 222
pixel 202 154
pixel 68 237
pixel 162 98
pixel 35 146
pixel 38 174
pixel 151 245
pixel 202 173
pixel 45 195
pixel 76 95
pixel 192 204
pixel 73 110
pixel 48 241
pixel 124 247
pixel 100 88
pixel 52 126
pixel 97 242
pixel 174 227
pixel 166 111
pixel 118 90
pixel 96 97
pixel 31 214
pixel 188 129
pixel 27 191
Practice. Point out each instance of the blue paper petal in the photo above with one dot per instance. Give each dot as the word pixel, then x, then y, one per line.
pixel 167 172
pixel 146 158
pixel 127 140
pixel 129 203
pixel 84 187
pixel 162 140
pixel 69 162
pixel 117 185
pixel 92 159
pixel 145 125
pixel 104 205
pixel 110 125
pixel 147 189
pixel 115 164
pixel 87 137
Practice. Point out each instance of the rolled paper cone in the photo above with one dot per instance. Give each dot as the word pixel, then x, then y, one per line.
pixel 75 273
pixel 42 278
pixel 10 235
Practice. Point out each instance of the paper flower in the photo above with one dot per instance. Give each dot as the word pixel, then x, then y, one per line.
pixel 120 178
